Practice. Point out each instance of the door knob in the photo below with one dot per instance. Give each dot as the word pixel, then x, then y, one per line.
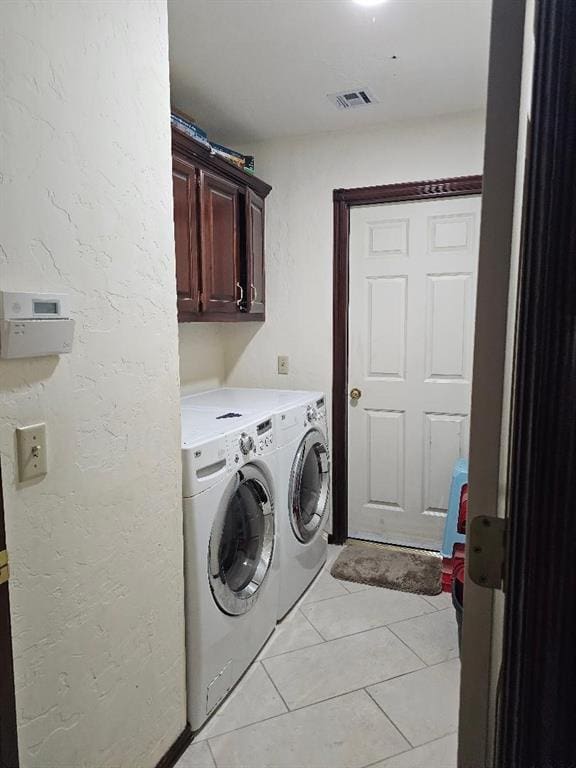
pixel 355 393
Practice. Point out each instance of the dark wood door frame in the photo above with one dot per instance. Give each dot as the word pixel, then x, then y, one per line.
pixel 8 733
pixel 538 678
pixel 344 199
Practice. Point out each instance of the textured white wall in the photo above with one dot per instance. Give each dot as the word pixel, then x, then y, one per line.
pixel 96 546
pixel 303 172
pixel 202 356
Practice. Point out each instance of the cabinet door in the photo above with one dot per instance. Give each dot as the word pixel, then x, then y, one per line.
pixel 220 251
pixel 184 181
pixel 255 252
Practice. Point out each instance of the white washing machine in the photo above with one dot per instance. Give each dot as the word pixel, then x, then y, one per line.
pixel 301 435
pixel 245 401
pixel 230 547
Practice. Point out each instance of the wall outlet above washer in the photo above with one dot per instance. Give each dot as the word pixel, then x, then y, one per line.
pixel 283 364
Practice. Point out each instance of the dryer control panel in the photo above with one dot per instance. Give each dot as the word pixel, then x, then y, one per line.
pixel 316 411
pixel 256 440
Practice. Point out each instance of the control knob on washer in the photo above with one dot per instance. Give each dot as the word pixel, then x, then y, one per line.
pixel 311 413
pixel 246 443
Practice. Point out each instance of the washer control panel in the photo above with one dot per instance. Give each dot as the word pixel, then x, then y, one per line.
pixel 256 440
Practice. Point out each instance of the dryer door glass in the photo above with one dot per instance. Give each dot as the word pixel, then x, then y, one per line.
pixel 309 486
pixel 242 542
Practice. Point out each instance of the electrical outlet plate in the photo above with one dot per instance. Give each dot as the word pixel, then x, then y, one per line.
pixel 283 364
pixel 32 458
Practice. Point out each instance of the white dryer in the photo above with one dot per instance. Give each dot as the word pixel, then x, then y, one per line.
pixel 231 558
pixel 303 489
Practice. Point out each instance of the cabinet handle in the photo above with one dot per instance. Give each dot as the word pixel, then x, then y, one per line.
pixel 240 301
pixel 254 292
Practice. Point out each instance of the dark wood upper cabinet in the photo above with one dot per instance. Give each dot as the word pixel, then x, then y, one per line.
pixel 184 184
pixel 219 236
pixel 220 244
pixel 255 300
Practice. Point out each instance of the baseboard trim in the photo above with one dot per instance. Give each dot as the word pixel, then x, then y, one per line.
pixel 177 749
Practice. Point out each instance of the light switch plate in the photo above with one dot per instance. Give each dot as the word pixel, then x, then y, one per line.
pixel 283 364
pixel 32 455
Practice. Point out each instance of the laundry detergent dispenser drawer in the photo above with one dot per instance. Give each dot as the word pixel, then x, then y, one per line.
pixel 203 466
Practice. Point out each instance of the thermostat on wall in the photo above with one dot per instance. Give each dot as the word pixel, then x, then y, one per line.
pixel 34 324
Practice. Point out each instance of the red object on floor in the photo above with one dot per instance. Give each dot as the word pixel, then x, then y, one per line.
pixel 458 563
pixel 447 565
pixel 463 509
pixel 453 567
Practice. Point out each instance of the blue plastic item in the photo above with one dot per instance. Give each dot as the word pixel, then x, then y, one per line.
pixel 451 535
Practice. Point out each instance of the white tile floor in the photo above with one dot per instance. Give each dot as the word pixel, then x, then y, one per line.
pixel 354 676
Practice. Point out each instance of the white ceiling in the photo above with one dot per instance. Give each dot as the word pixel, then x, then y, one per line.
pixel 256 69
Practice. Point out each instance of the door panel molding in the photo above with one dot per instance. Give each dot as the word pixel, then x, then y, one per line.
pixel 343 201
pixel 220 243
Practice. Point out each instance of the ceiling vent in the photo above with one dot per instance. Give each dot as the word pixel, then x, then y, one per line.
pixel 361 97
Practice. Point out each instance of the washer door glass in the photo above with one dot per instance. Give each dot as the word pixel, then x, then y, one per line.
pixel 242 542
pixel 309 486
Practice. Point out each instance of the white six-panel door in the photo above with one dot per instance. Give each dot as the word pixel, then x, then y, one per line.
pixel 411 329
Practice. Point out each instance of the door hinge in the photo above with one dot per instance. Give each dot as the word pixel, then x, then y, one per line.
pixel 486 551
pixel 4 570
